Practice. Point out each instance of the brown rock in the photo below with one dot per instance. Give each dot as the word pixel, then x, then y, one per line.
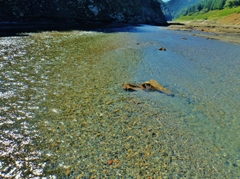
pixel 151 85
pixel 110 162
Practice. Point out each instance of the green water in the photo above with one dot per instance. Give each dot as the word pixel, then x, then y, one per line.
pixel 64 114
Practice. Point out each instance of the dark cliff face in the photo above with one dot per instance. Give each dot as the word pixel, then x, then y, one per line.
pixel 126 11
pixel 165 10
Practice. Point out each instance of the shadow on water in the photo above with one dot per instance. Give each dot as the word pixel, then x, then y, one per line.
pixel 175 23
pixel 21 28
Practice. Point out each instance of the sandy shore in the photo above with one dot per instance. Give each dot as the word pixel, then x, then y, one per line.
pixel 210 29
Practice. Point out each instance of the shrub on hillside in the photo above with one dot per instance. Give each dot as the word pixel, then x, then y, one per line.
pixel 232 3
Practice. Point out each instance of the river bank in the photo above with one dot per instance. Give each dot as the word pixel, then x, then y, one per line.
pixel 210 29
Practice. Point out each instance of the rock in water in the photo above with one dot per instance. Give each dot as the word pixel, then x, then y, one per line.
pixel 162 49
pixel 151 85
pixel 154 85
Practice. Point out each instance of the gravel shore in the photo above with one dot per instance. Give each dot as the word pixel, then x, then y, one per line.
pixel 210 29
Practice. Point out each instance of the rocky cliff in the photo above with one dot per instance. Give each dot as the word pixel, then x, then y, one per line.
pixel 122 11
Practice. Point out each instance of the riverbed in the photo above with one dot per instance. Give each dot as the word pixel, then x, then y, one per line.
pixel 64 113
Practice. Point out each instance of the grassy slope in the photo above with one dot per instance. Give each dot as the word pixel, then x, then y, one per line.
pixel 211 15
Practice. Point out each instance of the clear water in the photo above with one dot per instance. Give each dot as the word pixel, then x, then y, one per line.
pixel 204 76
pixel 63 113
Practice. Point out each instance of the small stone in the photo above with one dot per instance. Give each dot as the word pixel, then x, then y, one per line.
pixel 224 155
pixel 238 163
pixel 110 162
pixel 80 176
pixel 67 173
pixel 162 49
pixel 117 165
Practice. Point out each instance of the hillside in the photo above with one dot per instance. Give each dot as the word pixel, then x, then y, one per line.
pixel 210 9
pixel 177 7
pixel 123 11
pixel 233 19
pixel 231 14
pixel 198 9
pixel 165 9
pixel 205 6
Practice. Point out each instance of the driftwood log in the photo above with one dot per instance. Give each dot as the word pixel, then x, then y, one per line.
pixel 151 85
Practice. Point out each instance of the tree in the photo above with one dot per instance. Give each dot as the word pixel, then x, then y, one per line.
pixel 207 5
pixel 232 3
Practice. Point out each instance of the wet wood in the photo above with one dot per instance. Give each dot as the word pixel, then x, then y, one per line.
pixel 151 85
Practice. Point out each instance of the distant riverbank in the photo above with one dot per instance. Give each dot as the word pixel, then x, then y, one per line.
pixel 215 30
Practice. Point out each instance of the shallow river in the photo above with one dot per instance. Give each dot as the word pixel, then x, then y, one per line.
pixel 63 113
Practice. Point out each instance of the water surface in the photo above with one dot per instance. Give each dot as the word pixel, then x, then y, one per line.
pixel 64 113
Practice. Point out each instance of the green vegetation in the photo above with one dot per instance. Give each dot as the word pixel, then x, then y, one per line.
pixel 177 7
pixel 232 3
pixel 210 9
pixel 205 6
pixel 216 14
